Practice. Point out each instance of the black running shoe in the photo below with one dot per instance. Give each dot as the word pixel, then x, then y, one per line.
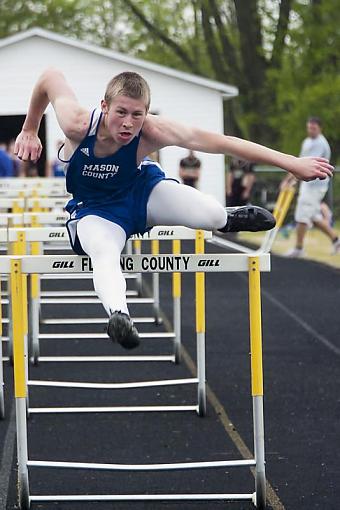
pixel 248 218
pixel 122 330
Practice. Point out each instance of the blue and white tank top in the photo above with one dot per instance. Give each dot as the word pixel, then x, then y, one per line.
pixel 97 180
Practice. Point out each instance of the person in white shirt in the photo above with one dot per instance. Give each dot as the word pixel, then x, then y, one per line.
pixel 308 210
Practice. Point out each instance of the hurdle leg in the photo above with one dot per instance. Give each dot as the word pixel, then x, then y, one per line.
pixel 200 329
pixel 34 313
pixel 2 391
pixel 34 304
pixel 257 379
pixel 280 212
pixel 2 395
pixel 155 285
pixel 270 236
pixel 10 323
pixel 129 247
pixel 176 294
pixel 20 382
pixel 138 250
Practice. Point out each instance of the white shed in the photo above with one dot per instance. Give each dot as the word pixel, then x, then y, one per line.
pixel 187 98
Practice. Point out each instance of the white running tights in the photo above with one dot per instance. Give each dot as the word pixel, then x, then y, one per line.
pixel 169 203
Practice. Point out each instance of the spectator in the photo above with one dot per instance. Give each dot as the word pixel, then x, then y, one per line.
pixel 327 213
pixel 308 210
pixel 189 170
pixel 55 168
pixel 240 181
pixel 6 165
pixel 17 166
pixel 30 169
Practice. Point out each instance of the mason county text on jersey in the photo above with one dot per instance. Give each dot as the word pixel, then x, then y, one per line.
pixel 103 171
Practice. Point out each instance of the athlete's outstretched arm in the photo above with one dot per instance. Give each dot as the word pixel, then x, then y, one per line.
pixel 159 132
pixel 51 87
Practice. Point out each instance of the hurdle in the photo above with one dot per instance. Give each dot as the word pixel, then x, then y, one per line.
pixel 3 318
pixel 37 203
pixel 31 183
pixel 38 193
pixel 2 385
pixel 37 217
pixel 16 204
pixel 19 237
pixel 196 263
pixel 280 212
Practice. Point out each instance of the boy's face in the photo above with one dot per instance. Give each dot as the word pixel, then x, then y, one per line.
pixel 124 118
pixel 313 129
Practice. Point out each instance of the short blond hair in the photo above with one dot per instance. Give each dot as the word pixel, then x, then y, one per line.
pixel 128 84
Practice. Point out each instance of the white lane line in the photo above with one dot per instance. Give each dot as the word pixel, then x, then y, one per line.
pixel 307 327
pixel 7 458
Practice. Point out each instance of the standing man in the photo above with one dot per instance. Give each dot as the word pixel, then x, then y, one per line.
pixel 239 183
pixel 189 170
pixel 308 210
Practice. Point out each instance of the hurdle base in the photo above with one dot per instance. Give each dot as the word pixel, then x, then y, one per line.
pixel 146 497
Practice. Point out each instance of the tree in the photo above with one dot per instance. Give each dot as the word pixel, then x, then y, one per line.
pixel 232 42
pixel 281 54
pixel 308 82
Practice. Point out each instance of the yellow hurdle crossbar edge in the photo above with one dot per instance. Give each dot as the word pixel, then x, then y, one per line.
pixel 19 248
pixel 200 286
pixel 137 245
pixel 36 206
pixel 282 205
pixel 255 323
pixel 176 277
pixel 18 329
pixel 155 247
pixel 16 209
pixel 278 204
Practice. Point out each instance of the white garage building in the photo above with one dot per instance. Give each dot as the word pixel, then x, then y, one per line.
pixel 187 98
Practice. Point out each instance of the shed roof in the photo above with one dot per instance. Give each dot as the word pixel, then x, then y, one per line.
pixel 228 91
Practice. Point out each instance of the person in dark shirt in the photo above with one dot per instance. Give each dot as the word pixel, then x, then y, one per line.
pixel 240 180
pixel 189 170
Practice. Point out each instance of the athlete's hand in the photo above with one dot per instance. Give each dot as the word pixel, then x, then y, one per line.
pixel 310 168
pixel 28 146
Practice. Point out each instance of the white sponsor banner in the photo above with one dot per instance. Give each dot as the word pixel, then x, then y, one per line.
pixel 166 263
pixel 60 233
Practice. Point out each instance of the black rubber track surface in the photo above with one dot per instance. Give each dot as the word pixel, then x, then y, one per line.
pixel 301 323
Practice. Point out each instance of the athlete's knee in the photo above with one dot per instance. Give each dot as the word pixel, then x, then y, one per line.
pixel 105 253
pixel 216 214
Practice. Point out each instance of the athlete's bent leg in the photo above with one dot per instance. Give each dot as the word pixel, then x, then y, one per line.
pixel 104 241
pixel 171 203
